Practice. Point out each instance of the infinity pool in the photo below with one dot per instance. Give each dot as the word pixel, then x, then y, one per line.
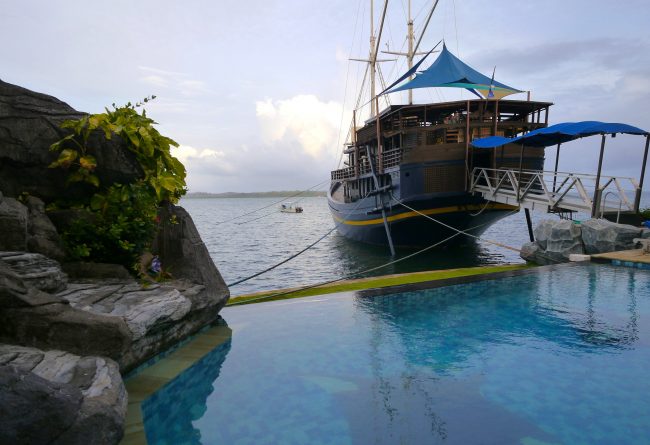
pixel 556 357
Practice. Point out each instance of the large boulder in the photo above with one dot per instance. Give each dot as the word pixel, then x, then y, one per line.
pixel 42 235
pixel 13 223
pixel 600 236
pixel 36 270
pixel 59 398
pixel 117 318
pixel 554 242
pixel 29 124
pixel 564 239
pixel 543 232
pixel 184 254
pixel 28 228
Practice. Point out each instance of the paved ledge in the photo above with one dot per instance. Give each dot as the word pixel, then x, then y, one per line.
pixel 150 379
pixel 634 256
pixel 375 283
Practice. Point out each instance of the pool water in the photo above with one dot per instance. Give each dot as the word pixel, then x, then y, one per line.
pixel 556 357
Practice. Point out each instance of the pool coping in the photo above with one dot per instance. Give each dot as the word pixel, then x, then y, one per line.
pixel 443 282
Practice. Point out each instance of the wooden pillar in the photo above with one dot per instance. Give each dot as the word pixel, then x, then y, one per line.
pixel 357 167
pixel 496 115
pixel 466 148
pixel 596 200
pixel 637 199
pixel 529 224
pixel 521 165
pixel 557 159
pixel 380 157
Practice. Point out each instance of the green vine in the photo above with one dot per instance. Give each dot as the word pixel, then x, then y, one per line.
pixel 121 218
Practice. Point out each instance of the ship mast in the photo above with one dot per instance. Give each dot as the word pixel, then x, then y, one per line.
pixel 372 57
pixel 410 36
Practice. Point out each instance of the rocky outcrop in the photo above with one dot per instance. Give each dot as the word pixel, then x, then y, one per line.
pixel 102 318
pixel 600 236
pixel 28 228
pixel 184 254
pixel 555 241
pixel 59 398
pixel 119 318
pixel 30 124
pixel 36 270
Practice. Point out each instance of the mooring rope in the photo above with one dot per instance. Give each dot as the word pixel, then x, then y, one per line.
pixel 355 274
pixel 302 251
pixel 496 243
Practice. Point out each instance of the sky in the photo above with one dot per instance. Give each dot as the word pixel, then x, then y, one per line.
pixel 259 94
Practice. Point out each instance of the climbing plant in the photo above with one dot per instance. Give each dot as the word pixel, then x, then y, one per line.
pixel 120 219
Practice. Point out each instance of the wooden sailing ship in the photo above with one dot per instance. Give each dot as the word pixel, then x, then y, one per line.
pixel 412 161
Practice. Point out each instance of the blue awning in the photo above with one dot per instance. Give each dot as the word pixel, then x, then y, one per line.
pixel 451 72
pixel 559 133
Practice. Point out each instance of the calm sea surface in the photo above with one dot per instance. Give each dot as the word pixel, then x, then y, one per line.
pixel 250 244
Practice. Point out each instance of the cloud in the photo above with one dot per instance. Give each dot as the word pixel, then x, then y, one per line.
pixel 204 160
pixel 174 81
pixel 304 119
pixel 155 80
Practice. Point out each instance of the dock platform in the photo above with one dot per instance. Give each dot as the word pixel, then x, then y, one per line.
pixel 631 258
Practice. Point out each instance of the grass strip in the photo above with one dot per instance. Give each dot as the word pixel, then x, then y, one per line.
pixel 375 282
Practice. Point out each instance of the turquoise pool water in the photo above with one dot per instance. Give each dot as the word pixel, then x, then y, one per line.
pixel 560 357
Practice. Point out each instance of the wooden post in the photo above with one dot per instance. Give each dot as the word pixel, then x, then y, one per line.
pixel 521 164
pixel 496 114
pixel 637 199
pixel 466 148
pixel 596 200
pixel 557 159
pixel 357 168
pixel 529 223
pixel 380 157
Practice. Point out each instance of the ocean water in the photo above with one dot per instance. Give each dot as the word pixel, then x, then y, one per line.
pixel 245 246
pixel 556 357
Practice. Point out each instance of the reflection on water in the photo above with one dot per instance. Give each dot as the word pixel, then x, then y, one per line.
pixel 169 413
pixel 554 358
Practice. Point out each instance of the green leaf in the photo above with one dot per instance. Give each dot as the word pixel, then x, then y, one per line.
pixel 88 162
pixel 168 183
pixel 76 177
pixel 66 157
pixel 92 179
pixel 97 202
pixel 133 138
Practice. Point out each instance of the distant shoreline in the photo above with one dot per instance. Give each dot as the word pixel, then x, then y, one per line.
pixel 277 194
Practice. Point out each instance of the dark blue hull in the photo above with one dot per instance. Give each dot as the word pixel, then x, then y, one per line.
pixel 360 221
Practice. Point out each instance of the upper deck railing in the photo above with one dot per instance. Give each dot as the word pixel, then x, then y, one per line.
pixel 391 158
pixel 551 191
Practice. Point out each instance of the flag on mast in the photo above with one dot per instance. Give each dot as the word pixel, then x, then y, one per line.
pixel 490 94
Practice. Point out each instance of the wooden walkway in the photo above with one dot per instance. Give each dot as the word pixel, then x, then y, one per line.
pixel 634 256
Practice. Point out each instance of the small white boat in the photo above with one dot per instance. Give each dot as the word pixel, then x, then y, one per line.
pixel 290 207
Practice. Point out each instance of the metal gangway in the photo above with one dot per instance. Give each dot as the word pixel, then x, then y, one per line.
pixel 558 192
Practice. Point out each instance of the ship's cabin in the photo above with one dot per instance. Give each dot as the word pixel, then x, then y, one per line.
pixel 429 145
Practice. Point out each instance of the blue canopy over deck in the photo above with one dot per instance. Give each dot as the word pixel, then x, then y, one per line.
pixel 559 133
pixel 568 131
pixel 451 72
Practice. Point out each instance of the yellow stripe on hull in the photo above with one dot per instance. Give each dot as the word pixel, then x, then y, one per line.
pixel 437 211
